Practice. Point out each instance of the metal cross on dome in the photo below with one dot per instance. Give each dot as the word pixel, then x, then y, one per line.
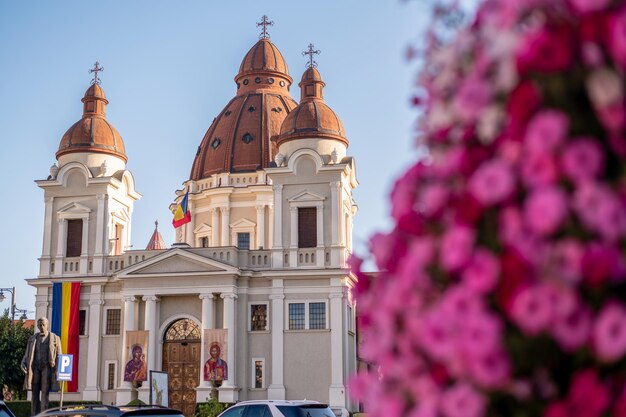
pixel 96 69
pixel 265 23
pixel 310 53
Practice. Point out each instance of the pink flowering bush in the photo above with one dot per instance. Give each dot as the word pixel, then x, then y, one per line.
pixel 502 289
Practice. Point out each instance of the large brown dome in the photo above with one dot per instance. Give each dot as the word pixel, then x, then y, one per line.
pixel 312 118
pixel 238 140
pixel 93 133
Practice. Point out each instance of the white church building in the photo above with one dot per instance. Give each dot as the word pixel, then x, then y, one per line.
pixel 264 256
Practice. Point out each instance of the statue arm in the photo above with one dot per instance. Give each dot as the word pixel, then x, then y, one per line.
pixel 25 358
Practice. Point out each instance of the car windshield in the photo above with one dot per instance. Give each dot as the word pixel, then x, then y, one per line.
pixel 4 413
pixel 313 410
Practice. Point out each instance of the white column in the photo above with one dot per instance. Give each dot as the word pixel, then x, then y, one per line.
pixel 270 225
pixel 278 214
pixel 47 230
pixel 276 390
pixel 41 310
pixel 215 226
pixel 191 225
pixel 230 324
pixel 293 237
pixel 260 226
pixel 129 324
pixel 225 226
pixel 335 204
pixel 207 323
pixel 337 397
pixel 151 326
pixel 92 384
pixel 84 250
pixel 44 262
pixel 101 235
pixel 61 235
pixel 319 253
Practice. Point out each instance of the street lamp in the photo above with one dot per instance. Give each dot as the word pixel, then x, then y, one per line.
pixel 2 298
pixel 23 311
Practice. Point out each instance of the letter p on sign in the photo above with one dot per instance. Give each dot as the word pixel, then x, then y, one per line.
pixel 64 370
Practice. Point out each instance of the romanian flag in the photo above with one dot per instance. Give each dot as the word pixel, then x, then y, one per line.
pixel 182 214
pixel 66 322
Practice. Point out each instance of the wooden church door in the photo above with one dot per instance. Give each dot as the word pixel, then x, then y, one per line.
pixel 181 361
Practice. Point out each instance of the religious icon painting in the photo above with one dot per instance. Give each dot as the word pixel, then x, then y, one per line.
pixel 136 368
pixel 159 389
pixel 216 352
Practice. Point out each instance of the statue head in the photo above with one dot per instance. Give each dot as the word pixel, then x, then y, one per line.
pixel 42 325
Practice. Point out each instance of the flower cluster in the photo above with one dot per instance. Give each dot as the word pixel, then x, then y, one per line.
pixel 502 288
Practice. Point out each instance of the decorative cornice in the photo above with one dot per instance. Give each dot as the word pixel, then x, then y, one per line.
pixel 228 295
pixel 129 298
pixel 42 304
pixel 206 296
pixel 150 298
pixel 335 295
pixel 277 297
pixel 96 302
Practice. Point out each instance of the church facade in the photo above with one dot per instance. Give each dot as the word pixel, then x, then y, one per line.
pixel 263 259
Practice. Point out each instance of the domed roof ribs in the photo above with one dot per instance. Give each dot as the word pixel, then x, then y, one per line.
pixel 232 137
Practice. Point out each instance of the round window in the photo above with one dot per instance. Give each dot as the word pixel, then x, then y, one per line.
pixel 245 82
pixel 216 142
pixel 282 83
pixel 257 80
pixel 270 80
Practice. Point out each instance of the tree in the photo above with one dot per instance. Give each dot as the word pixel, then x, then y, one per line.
pixel 13 340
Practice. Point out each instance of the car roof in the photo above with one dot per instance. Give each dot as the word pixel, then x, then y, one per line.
pixel 110 410
pixel 280 402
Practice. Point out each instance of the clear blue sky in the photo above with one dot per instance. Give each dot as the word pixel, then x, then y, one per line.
pixel 169 69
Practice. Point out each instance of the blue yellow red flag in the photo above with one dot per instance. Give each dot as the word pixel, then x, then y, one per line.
pixel 182 214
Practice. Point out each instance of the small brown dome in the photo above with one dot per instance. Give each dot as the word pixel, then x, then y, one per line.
pixel 312 117
pixel 238 140
pixel 93 133
pixel 264 56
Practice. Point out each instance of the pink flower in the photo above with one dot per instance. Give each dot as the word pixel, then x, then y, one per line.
pixel 545 209
pixel 601 263
pixel 600 210
pixel 567 260
pixel 456 247
pixel 609 333
pixel 462 400
pixel 523 101
pixel 588 397
pixel 432 198
pixel 511 224
pixel 586 6
pixel 480 334
pixel 547 50
pixel 492 182
pixel 473 96
pixel 436 338
pixel 546 131
pixel 582 160
pixel 617 37
pixel 531 310
pixel 604 87
pixel 572 330
pixel 482 273
pixel 539 169
pixel 612 117
pixel 492 370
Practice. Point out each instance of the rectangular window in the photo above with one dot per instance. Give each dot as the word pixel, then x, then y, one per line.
pixel 118 238
pixel 111 375
pixel 113 321
pixel 296 316
pixel 204 242
pixel 82 317
pixel 317 315
pixel 350 319
pixel 307 227
pixel 74 243
pixel 258 373
pixel 258 317
pixel 243 240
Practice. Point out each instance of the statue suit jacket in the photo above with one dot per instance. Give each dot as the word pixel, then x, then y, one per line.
pixel 29 356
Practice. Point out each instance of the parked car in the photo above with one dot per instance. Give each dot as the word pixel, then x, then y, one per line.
pixel 5 411
pixel 100 410
pixel 276 408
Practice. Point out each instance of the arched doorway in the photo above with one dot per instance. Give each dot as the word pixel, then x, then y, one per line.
pixel 181 361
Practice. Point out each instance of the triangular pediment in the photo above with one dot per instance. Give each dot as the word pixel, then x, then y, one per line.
pixel 243 223
pixel 306 196
pixel 75 208
pixel 203 228
pixel 177 262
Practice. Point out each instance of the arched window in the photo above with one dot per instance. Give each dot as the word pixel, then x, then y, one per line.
pixel 183 329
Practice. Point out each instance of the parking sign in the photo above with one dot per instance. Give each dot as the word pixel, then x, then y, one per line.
pixel 64 367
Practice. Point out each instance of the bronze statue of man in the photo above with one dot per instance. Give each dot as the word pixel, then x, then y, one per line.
pixel 39 364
